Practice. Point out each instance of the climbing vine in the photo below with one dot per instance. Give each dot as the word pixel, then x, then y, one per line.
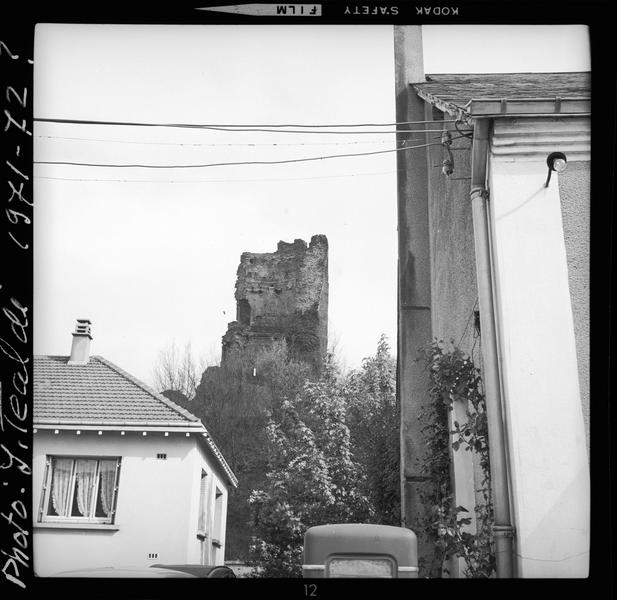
pixel 453 378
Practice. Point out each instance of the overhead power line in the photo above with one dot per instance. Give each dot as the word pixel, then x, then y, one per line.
pixel 264 129
pixel 238 127
pixel 252 180
pixel 239 163
pixel 220 145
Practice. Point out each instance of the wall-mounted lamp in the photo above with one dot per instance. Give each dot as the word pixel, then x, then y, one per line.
pixel 556 161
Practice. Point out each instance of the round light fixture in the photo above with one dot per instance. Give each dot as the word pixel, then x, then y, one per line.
pixel 556 161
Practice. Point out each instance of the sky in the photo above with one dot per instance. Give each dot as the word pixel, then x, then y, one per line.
pixel 150 255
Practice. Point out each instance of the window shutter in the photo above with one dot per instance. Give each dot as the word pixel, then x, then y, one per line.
pixel 203 489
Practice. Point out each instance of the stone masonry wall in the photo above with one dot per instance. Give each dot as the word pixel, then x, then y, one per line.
pixel 283 295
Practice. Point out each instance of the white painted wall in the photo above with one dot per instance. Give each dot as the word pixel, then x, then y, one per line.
pixel 544 422
pixel 157 504
pixel 194 548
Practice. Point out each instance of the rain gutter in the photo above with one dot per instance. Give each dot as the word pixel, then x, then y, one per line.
pixel 502 529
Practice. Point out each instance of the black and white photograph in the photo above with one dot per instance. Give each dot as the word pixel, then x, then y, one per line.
pixel 310 300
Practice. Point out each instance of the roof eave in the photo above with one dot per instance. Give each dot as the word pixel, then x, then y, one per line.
pixel 116 425
pixel 575 106
pixel 231 477
pixel 449 108
pixel 521 107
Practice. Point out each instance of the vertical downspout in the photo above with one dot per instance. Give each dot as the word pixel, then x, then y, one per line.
pixel 502 529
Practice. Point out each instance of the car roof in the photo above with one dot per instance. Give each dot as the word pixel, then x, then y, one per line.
pixel 198 570
pixel 125 572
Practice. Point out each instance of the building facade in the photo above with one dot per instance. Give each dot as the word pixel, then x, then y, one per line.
pixel 121 476
pixel 507 250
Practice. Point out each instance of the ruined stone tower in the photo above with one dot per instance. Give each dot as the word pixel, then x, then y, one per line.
pixel 283 295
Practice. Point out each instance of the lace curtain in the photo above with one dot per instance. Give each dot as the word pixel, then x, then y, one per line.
pixel 82 488
pixel 61 485
pixel 108 476
pixel 85 472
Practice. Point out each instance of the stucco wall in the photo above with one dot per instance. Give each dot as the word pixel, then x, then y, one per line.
pixel 453 271
pixel 156 509
pixel 196 549
pixel 454 291
pixel 574 191
pixel 539 368
pixel 545 434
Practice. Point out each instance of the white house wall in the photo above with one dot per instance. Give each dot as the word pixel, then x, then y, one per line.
pixel 543 413
pixel 194 548
pixel 156 510
pixel 220 554
pixel 574 188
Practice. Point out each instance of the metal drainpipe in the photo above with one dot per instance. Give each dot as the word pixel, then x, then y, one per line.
pixel 502 529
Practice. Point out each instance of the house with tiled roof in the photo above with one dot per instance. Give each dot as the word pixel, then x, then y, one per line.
pixel 494 217
pixel 122 476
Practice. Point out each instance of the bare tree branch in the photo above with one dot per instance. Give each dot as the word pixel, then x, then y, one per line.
pixel 176 369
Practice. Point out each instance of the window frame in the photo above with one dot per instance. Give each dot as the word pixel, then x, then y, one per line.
pixel 43 517
pixel 203 508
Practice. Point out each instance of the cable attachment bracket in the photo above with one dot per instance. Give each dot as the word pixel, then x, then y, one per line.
pixel 506 531
pixel 447 166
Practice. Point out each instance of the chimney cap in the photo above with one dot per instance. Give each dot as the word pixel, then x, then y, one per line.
pixel 82 328
pixel 80 348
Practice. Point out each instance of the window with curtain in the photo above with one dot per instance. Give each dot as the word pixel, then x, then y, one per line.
pixel 80 489
pixel 202 515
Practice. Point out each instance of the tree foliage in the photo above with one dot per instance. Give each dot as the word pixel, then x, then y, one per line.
pixel 235 401
pixel 333 457
pixel 307 450
pixel 454 378
pixel 374 419
pixel 312 478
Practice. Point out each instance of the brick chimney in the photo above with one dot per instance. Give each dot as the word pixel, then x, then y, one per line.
pixel 80 349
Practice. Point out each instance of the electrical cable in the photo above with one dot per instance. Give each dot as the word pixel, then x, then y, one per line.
pixel 239 163
pixel 201 144
pixel 250 127
pixel 269 179
pixel 218 145
pixel 466 135
pixel 292 131
pixel 468 320
pixel 476 337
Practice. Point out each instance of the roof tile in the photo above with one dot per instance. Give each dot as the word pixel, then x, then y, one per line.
pixel 456 91
pixel 98 392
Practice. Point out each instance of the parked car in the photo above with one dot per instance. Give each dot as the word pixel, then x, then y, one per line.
pixel 360 550
pixel 123 573
pixel 152 572
pixel 200 570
